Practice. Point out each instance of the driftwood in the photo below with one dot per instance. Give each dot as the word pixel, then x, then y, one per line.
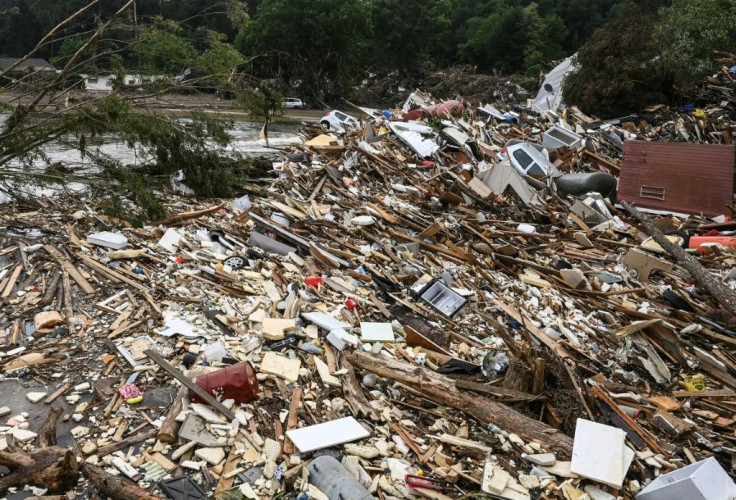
pixel 443 390
pixel 47 466
pixel 700 275
pixel 354 394
pixel 114 487
pixel 124 443
pixel 169 430
pixel 176 219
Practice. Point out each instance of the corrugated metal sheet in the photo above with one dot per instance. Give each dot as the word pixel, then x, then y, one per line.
pixel 678 177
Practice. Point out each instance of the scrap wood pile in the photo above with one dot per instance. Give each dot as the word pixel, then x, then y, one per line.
pixel 405 314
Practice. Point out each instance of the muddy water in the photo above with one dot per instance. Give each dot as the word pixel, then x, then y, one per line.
pixel 245 141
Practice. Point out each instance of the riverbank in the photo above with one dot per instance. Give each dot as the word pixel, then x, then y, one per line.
pixel 171 104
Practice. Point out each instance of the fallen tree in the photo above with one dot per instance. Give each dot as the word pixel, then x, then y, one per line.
pixel 47 466
pixel 115 487
pixel 444 391
pixel 723 295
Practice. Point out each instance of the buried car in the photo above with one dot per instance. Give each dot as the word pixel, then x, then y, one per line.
pixel 529 160
pixel 337 121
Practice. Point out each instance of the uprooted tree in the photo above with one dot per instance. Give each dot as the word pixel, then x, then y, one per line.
pixel 659 58
pixel 43 109
pixel 47 466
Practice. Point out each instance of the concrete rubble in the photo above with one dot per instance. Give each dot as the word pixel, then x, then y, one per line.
pixel 412 306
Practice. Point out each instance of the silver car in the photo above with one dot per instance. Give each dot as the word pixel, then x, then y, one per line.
pixel 293 103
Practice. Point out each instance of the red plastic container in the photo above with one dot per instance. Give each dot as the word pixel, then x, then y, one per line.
pixel 314 281
pixel 236 382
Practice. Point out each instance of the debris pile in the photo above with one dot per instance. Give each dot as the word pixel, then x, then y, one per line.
pixel 415 309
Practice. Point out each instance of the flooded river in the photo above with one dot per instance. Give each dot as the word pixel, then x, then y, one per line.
pixel 245 141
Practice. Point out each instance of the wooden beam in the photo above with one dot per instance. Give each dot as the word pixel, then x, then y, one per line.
pixel 201 393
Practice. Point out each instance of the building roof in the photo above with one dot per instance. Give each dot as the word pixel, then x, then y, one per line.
pixel 549 96
pixel 678 177
pixel 27 65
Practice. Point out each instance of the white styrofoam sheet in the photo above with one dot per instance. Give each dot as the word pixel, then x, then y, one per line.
pixel 107 239
pixel 316 437
pixel 325 321
pixel 599 453
pixel 376 332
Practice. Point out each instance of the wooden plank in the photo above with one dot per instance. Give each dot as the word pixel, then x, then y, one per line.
pixel 600 393
pixel 115 276
pixel 437 248
pixel 296 398
pixel 13 279
pixel 607 164
pixel 226 480
pixel 201 393
pixel 725 393
pixel 61 390
pixel 497 391
pixel 70 268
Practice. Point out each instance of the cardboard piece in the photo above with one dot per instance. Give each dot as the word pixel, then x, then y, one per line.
pixel 644 264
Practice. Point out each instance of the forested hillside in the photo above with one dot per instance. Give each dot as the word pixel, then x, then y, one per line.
pixel 373 35
pixel 632 50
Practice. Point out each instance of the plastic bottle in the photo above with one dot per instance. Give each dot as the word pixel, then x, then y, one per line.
pixel 236 382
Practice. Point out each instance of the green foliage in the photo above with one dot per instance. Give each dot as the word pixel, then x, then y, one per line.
pixel 136 187
pixel 315 44
pixel 409 34
pixel 262 103
pixel 219 58
pixel 515 39
pixel 161 48
pixel 627 65
pixel 694 29
pixel 68 48
pixel 193 147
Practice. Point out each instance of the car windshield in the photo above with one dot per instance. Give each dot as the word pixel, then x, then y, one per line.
pixel 523 158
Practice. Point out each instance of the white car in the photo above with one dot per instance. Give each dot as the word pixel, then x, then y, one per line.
pixel 293 103
pixel 528 160
pixel 338 121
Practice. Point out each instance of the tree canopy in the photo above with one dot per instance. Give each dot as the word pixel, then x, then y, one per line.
pixel 319 49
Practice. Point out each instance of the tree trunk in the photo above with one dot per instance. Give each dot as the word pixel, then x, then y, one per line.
pixel 48 466
pixel 116 488
pixel 700 275
pixel 443 390
pixel 518 376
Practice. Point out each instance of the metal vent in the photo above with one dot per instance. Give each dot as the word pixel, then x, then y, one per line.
pixel 653 192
